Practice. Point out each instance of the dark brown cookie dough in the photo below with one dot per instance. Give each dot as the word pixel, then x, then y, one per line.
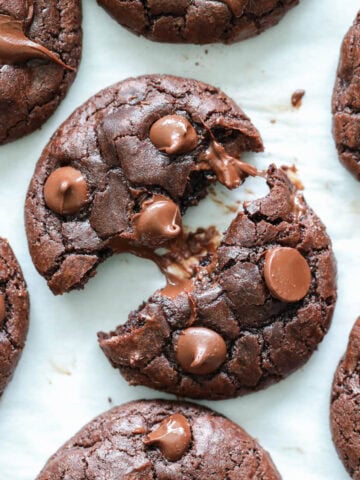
pixel 268 292
pixel 158 440
pixel 40 50
pixel 14 313
pixel 346 101
pixel 345 405
pixel 120 171
pixel 197 21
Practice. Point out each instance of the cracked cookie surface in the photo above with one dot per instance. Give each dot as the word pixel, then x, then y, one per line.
pixel 345 405
pixel 346 101
pixel 14 313
pixel 105 179
pixel 175 342
pixel 118 445
pixel 197 21
pixel 31 88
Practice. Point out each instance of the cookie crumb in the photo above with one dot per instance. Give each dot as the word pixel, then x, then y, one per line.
pixel 292 173
pixel 296 98
pixel 60 369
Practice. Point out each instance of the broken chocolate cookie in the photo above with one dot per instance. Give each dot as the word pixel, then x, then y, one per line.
pixel 247 311
pixel 119 173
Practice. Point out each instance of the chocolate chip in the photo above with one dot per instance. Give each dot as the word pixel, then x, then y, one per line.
pixel 229 170
pixel 287 274
pixel 159 220
pixel 174 135
pixel 16 48
pixel 173 437
pixel 200 350
pixel 66 191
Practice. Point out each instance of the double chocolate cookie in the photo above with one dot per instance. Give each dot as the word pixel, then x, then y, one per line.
pixel 158 440
pixel 14 313
pixel 237 314
pixel 120 171
pixel 197 21
pixel 40 49
pixel 346 101
pixel 250 310
pixel 345 405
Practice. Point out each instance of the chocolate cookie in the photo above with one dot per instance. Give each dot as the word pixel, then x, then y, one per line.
pixel 158 440
pixel 197 21
pixel 345 405
pixel 346 101
pixel 40 49
pixel 120 171
pixel 14 313
pixel 246 313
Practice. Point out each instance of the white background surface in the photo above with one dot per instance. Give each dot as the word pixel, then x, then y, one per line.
pixel 63 379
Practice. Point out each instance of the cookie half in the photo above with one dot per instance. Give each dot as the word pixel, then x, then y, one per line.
pixel 123 168
pixel 40 50
pixel 197 21
pixel 252 310
pixel 345 405
pixel 160 440
pixel 346 101
pixel 14 313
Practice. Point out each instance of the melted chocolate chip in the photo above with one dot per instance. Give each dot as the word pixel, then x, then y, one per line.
pixel 287 274
pixel 16 48
pixel 2 308
pixel 174 135
pixel 66 191
pixel 230 171
pixel 200 350
pixel 158 221
pixel 173 437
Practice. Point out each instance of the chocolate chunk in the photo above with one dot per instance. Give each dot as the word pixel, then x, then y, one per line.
pixel 200 350
pixel 172 436
pixel 287 274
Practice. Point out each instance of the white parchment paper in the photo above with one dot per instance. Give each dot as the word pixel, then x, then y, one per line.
pixel 63 379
